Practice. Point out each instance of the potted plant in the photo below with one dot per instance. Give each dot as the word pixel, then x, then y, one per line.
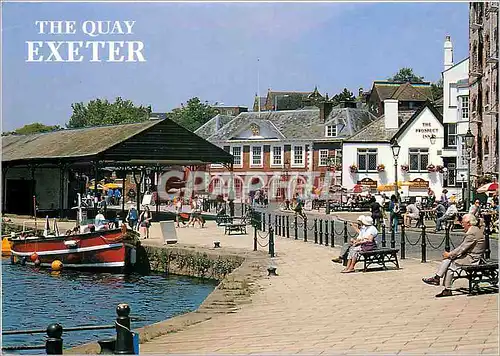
pixel 431 168
pixel 380 167
pixel 405 168
pixel 353 168
pixel 338 167
pixel 439 168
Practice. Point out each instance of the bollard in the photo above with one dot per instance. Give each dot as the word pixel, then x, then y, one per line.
pixel 321 232
pixel 124 341
pixel 315 231
pixel 269 222
pixel 384 242
pixel 54 342
pixel 403 242
pixel 278 227
pixel 287 227
pixel 271 271
pixel 295 229
pixel 393 239
pixel 263 218
pixel 271 241
pixel 216 244
pixel 345 232
pixel 487 234
pixel 424 245
pixel 332 225
pixel 255 239
pixel 447 237
pixel 107 346
pixel 276 224
pixel 305 230
pixel 282 224
pixel 326 232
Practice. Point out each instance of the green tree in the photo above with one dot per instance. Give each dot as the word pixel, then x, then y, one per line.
pixel 437 89
pixel 406 75
pixel 33 128
pixel 102 112
pixel 344 95
pixel 193 114
pixel 292 101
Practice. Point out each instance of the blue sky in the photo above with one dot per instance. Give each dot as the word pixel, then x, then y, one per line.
pixel 211 51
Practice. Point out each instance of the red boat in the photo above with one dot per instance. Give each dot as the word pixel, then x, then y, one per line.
pixel 112 249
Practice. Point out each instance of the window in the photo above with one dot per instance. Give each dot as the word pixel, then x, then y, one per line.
pixel 419 159
pixel 450 176
pixel 256 159
pixel 236 152
pixel 367 159
pixel 462 154
pixel 452 135
pixel 277 156
pixel 323 158
pixel 331 131
pixel 298 156
pixel 464 107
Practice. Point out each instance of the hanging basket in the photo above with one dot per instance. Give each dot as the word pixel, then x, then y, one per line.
pixel 380 168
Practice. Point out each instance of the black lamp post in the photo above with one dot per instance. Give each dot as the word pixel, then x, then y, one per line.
pixel 395 153
pixel 463 190
pixel 286 167
pixel 330 163
pixel 469 142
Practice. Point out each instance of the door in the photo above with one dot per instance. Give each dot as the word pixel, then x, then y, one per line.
pixel 19 196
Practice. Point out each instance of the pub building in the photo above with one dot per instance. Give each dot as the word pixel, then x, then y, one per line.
pixel 370 160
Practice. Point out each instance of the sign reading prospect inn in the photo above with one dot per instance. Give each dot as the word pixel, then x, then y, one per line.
pixel 419 183
pixel 426 130
pixel 367 182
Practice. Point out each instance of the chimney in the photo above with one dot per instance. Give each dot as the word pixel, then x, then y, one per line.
pixel 325 108
pixel 391 114
pixel 448 53
pixel 217 122
pixel 360 92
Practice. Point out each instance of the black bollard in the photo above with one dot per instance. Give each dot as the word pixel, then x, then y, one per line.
pixel 107 346
pixel 287 227
pixel 321 232
pixel 393 239
pixel 269 221
pixel 332 225
pixel 124 340
pixel 255 239
pixel 487 234
pixel 263 217
pixel 403 242
pixel 315 231
pixel 283 226
pixel 305 230
pixel 345 232
pixel 424 245
pixel 276 223
pixel 295 229
pixel 447 238
pixel 54 342
pixel 326 232
pixel 271 241
pixel 384 242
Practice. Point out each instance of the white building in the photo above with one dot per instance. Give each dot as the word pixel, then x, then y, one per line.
pixel 370 148
pixel 455 119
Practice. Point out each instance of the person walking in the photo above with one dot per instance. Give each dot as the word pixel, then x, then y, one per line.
pixel 145 222
pixel 132 217
pixel 178 211
pixel 394 210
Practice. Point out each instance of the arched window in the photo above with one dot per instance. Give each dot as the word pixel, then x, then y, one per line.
pixel 486 146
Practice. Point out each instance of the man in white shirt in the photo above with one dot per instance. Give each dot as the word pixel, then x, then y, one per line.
pixel 450 214
pixel 412 213
pixel 99 221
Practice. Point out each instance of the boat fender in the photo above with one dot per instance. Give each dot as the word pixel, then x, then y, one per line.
pixel 34 257
pixel 71 243
pixel 56 265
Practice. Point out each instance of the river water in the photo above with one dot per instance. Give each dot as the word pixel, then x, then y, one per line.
pixel 34 298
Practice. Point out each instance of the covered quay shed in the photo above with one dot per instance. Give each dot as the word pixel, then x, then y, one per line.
pixel 51 166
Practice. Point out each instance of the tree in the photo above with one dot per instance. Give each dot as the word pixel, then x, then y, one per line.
pixel 345 95
pixel 406 75
pixel 101 112
pixel 437 89
pixel 192 115
pixel 33 128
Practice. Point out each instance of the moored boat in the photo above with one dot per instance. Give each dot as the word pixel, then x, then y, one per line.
pixel 6 246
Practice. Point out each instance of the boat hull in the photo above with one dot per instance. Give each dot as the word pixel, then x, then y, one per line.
pixel 97 250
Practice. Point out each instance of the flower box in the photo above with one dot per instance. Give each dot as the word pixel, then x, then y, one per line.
pixel 431 168
pixel 439 168
pixel 405 168
pixel 353 168
pixel 380 168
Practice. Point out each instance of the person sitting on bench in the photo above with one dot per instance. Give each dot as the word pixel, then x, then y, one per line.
pixel 412 213
pixel 450 214
pixel 470 251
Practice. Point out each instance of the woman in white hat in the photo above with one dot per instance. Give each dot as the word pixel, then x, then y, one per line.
pixel 344 251
pixel 364 242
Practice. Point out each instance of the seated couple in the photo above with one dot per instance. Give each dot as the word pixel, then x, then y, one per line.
pixel 470 251
pixel 365 241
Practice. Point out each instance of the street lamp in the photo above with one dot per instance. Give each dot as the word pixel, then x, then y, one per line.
pixel 469 142
pixel 463 189
pixel 395 153
pixel 276 100
pixel 330 164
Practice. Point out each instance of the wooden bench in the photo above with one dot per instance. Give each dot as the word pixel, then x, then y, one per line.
pixel 240 228
pixel 485 272
pixel 379 256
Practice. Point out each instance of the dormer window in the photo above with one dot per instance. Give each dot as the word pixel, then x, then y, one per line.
pixel 331 131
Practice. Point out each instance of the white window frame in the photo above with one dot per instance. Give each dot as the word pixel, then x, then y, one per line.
pixel 331 134
pixel 323 163
pixel 420 151
pixel 240 165
pixel 452 135
pixel 261 156
pixel 271 161
pixel 467 107
pixel 367 151
pixel 298 165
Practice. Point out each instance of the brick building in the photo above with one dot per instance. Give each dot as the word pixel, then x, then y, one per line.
pixel 282 151
pixel 483 86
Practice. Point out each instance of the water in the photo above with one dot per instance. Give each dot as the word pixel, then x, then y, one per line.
pixel 32 299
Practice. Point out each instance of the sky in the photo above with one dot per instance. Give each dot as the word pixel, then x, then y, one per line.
pixel 210 51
